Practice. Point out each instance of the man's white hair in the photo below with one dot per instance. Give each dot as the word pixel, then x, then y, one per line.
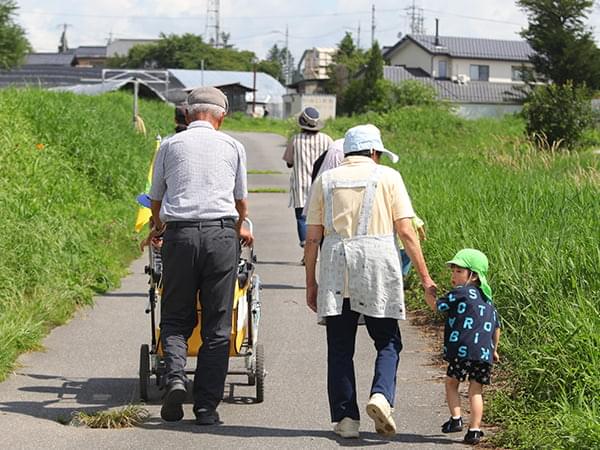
pixel 197 108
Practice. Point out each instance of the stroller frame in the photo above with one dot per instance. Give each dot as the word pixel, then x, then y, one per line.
pixel 248 282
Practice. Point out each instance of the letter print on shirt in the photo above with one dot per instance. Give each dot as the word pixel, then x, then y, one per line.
pixel 487 326
pixel 462 307
pixel 454 336
pixel 468 323
pixel 473 294
pixel 485 354
pixel 482 309
pixel 463 351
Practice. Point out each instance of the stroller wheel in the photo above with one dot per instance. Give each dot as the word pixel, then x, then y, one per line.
pixel 144 371
pixel 260 373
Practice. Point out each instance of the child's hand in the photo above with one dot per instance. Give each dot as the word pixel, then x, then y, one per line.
pixel 496 356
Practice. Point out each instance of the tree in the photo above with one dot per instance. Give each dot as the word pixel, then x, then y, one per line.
pixel 187 51
pixel 564 47
pixel 567 57
pixel 13 43
pixel 347 62
pixel 278 57
pixel 369 88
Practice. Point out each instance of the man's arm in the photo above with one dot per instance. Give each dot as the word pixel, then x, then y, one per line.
pixel 245 235
pixel 314 233
pixel 155 208
pixel 409 239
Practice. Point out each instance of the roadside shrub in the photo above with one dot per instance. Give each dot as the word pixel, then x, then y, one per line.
pixel 558 115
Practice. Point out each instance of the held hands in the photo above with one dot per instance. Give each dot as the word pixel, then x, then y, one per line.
pixel 496 356
pixel 430 290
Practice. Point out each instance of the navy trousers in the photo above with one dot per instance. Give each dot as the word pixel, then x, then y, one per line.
pixel 341 382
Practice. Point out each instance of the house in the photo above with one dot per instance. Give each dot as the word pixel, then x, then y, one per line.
pixel 90 56
pixel 268 95
pixel 482 77
pixel 236 94
pixel 462 59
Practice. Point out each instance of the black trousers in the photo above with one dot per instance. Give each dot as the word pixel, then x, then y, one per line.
pixel 199 258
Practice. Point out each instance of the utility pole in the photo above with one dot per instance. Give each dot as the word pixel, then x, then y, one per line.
pixel 372 24
pixel 212 21
pixel 416 19
pixel 63 45
pixel 287 57
pixel 358 36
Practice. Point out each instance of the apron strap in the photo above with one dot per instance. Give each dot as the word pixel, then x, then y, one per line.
pixel 368 200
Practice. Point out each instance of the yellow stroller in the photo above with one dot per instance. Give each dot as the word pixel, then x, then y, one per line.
pixel 244 330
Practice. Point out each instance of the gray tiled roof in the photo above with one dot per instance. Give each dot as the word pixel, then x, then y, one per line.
pixel 50 59
pixel 90 52
pixel 472 92
pixel 463 47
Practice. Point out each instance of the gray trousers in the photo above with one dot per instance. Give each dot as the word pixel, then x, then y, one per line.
pixel 199 257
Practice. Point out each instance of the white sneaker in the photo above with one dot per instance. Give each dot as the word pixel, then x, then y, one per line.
pixel 380 411
pixel 347 428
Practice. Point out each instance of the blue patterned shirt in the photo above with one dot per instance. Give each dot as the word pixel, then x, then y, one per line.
pixel 470 325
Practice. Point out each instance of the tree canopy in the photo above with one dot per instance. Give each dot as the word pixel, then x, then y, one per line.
pixel 13 43
pixel 189 51
pixel 564 47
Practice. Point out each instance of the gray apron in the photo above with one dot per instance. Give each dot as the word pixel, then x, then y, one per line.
pixel 370 262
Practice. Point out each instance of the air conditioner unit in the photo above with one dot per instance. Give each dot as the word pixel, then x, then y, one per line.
pixel 463 79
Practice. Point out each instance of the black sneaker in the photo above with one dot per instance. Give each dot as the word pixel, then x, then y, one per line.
pixel 453 425
pixel 172 407
pixel 473 437
pixel 205 416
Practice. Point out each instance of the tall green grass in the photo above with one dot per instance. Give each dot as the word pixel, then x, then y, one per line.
pixel 70 167
pixel 537 217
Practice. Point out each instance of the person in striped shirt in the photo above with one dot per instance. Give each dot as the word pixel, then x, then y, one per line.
pixel 302 151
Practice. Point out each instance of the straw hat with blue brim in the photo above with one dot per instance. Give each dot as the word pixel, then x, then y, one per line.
pixel 477 262
pixel 366 137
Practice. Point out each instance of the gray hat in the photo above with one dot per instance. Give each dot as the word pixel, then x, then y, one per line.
pixel 309 119
pixel 207 95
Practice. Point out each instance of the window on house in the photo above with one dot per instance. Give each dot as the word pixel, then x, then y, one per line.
pixel 443 69
pixel 517 73
pixel 480 73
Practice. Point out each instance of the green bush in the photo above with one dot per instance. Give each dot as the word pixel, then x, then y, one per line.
pixel 558 115
pixel 71 167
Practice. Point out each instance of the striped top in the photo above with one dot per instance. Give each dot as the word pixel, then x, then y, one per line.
pixel 198 174
pixel 302 152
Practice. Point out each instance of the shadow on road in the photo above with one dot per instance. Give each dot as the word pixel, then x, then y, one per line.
pixel 73 394
pixel 367 439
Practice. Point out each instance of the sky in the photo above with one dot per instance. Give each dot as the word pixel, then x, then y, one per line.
pixel 258 24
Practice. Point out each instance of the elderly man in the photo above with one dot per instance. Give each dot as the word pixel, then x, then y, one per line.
pixel 199 191
pixel 358 206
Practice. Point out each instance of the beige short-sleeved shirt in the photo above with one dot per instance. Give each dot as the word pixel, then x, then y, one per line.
pixel 390 204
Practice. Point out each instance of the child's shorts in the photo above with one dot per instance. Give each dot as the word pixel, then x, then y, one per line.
pixel 477 370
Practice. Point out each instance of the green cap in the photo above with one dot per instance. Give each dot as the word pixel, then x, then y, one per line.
pixel 476 261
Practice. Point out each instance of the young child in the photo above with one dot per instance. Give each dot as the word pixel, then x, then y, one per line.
pixel 471 336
